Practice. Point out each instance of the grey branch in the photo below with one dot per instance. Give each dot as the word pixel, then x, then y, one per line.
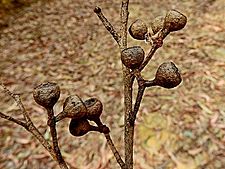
pixel 107 24
pixel 115 152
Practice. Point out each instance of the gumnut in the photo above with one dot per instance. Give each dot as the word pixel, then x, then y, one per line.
pixel 94 109
pixel 167 75
pixel 138 29
pixel 157 24
pixel 132 57
pixel 82 126
pixel 174 21
pixel 79 127
pixel 73 107
pixel 46 94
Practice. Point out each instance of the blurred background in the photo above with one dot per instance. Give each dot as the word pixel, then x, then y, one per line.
pixel 63 41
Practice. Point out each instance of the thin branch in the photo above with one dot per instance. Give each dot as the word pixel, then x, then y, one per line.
pixel 33 130
pixel 141 87
pixel 150 83
pixel 107 24
pixel 148 57
pixel 36 133
pixel 52 125
pixel 142 84
pixel 137 104
pixel 124 20
pixel 2 115
pixel 16 98
pixel 104 129
pixel 115 152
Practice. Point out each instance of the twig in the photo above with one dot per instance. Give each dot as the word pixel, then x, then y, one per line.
pixel 16 98
pixel 115 152
pixel 107 24
pixel 142 84
pixel 140 94
pixel 149 83
pixel 2 115
pixel 148 57
pixel 52 125
pixel 104 129
pixel 124 20
pixel 141 89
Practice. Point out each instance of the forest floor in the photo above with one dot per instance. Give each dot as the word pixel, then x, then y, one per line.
pixel 63 41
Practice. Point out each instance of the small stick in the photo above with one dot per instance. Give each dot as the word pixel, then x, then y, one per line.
pixel 2 115
pixel 139 97
pixel 107 24
pixel 52 125
pixel 148 57
pixel 115 152
pixel 104 129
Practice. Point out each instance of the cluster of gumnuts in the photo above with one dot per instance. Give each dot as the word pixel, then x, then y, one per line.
pixel 80 113
pixel 167 74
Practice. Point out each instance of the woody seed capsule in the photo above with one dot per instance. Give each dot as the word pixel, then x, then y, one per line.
pixel 157 24
pixel 138 29
pixel 167 75
pixel 94 109
pixel 174 21
pixel 46 94
pixel 132 57
pixel 79 127
pixel 73 107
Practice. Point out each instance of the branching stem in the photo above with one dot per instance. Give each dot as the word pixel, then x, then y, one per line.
pixel 115 152
pixel 30 127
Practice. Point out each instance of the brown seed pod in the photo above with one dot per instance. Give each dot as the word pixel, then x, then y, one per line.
pixel 79 127
pixel 157 24
pixel 174 21
pixel 73 107
pixel 132 57
pixel 46 94
pixel 167 75
pixel 94 109
pixel 138 29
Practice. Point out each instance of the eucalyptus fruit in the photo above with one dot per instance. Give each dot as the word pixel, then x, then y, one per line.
pixel 73 107
pixel 174 21
pixel 46 94
pixel 79 127
pixel 167 75
pixel 138 29
pixel 157 24
pixel 132 57
pixel 94 109
pixel 82 126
